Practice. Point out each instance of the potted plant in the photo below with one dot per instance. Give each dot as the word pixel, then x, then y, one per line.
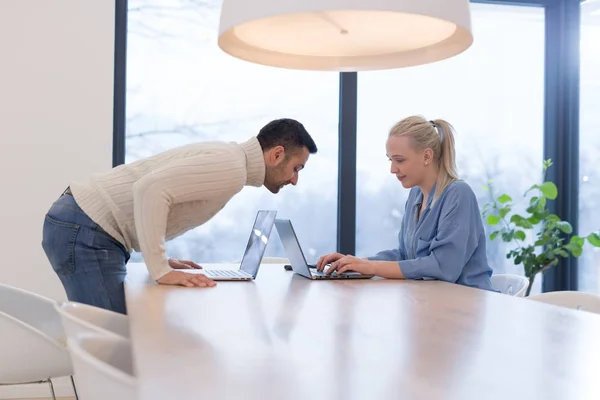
pixel 550 232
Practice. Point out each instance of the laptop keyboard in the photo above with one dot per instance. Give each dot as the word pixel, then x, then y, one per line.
pixel 225 273
pixel 323 273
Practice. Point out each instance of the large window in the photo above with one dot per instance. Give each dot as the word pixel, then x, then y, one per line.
pixel 589 195
pixel 493 94
pixel 182 88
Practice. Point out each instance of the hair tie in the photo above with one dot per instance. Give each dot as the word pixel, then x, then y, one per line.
pixel 438 130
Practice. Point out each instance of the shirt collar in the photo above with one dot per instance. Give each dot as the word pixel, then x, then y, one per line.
pixel 419 198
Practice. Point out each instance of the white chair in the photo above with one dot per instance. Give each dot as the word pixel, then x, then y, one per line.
pixel 275 260
pixel 570 299
pixel 32 349
pixel 513 285
pixel 103 367
pixel 78 318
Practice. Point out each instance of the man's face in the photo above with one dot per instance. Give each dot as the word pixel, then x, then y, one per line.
pixel 283 167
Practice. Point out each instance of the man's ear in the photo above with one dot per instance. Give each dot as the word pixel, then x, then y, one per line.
pixel 277 154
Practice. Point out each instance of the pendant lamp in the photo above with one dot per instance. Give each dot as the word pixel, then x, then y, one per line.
pixel 344 35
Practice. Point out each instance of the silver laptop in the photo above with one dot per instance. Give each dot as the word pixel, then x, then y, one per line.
pixel 255 249
pixel 296 256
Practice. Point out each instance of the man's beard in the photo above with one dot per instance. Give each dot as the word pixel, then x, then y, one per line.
pixel 271 176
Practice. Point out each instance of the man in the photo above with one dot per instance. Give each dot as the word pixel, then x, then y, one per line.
pixel 90 231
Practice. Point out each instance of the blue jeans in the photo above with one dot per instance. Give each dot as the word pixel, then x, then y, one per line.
pixel 90 263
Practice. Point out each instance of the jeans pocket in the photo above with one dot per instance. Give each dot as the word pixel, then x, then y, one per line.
pixel 59 244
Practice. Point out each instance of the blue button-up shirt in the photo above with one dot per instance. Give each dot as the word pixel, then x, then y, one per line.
pixel 447 242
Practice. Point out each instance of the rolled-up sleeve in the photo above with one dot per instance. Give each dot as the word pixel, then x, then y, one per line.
pixel 454 244
pixel 386 255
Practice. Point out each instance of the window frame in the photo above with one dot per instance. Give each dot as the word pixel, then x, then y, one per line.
pixel 561 124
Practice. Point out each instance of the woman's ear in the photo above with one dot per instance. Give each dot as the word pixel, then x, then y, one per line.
pixel 428 156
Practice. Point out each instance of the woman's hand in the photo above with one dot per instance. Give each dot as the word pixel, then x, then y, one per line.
pixel 327 259
pixel 351 263
pixel 183 264
pixel 179 278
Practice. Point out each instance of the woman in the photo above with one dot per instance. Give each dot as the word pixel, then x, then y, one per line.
pixel 442 235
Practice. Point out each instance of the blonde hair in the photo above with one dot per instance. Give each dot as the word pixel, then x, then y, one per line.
pixel 437 135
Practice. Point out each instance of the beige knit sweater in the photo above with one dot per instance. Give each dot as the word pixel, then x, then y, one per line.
pixel 145 203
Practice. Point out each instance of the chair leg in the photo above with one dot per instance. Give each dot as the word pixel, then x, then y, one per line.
pixel 74 388
pixel 52 389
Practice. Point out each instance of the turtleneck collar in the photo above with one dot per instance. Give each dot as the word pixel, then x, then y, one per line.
pixel 255 162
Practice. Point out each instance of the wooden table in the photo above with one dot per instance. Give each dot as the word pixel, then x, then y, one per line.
pixel 286 337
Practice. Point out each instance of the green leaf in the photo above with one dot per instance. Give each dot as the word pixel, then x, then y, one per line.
pixel 521 222
pixel 494 235
pixel 575 246
pixel 565 227
pixel 493 219
pixel 503 211
pixel 575 249
pixel 520 235
pixel 532 188
pixel 508 235
pixel 579 240
pixel 561 253
pixel 549 190
pixel 534 219
pixel 594 239
pixel 551 222
pixel 518 260
pixel 525 224
pixel 541 204
pixel 504 199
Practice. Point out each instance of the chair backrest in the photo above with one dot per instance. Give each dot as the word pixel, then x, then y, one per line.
pixel 513 285
pixel 570 299
pixel 78 318
pixel 31 308
pixel 103 367
pixel 28 354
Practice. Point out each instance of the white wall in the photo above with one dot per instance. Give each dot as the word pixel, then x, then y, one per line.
pixel 56 106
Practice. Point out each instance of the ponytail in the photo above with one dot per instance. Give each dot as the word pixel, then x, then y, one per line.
pixel 447 159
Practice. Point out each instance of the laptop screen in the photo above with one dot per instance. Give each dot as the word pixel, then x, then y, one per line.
pixel 292 247
pixel 257 243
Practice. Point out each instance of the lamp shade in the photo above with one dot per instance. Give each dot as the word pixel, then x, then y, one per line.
pixel 344 35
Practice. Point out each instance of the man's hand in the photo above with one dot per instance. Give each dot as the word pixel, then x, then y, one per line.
pixel 179 278
pixel 351 263
pixel 183 264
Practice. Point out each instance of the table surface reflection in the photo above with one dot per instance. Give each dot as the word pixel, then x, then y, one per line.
pixel 285 337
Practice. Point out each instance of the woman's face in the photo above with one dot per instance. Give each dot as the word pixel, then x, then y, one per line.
pixel 409 165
